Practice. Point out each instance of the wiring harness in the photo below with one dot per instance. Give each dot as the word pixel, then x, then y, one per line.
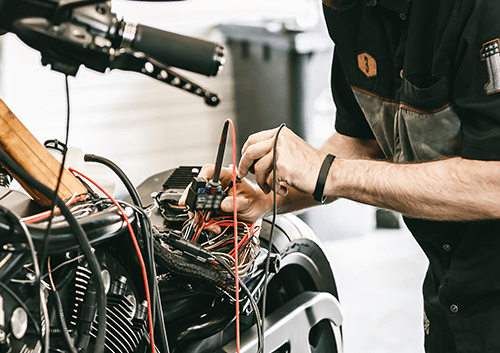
pixel 215 241
pixel 204 245
pixel 197 252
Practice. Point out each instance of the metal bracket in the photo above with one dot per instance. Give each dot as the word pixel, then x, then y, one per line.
pixel 138 62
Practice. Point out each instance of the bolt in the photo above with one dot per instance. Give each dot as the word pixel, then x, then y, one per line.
pixel 275 263
pixel 149 67
pixel 102 42
pixel 78 33
pixel 101 9
pixel 119 287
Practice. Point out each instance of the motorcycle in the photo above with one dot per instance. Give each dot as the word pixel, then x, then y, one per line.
pixel 143 274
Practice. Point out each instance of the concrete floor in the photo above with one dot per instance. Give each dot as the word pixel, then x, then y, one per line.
pixel 379 277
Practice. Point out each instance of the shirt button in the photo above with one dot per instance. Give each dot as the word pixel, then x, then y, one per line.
pixel 446 247
pixel 454 308
pixel 402 16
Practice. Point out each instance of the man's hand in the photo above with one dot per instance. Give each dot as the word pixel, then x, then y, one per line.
pixel 297 163
pixel 251 204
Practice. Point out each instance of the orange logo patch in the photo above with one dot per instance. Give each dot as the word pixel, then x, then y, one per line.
pixel 367 64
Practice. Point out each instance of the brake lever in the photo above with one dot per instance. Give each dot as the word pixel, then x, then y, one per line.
pixel 94 37
pixel 129 60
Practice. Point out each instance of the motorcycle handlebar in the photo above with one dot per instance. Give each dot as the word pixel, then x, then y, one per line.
pixel 176 50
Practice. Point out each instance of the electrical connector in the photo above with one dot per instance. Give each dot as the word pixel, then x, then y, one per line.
pixel 204 195
pixel 187 247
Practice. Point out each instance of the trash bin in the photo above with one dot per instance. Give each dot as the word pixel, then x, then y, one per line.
pixel 278 75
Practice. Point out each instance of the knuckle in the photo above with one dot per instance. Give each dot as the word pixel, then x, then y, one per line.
pixel 251 140
pixel 207 171
pixel 250 152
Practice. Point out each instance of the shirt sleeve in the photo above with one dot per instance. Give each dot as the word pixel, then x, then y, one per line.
pixel 476 86
pixel 350 120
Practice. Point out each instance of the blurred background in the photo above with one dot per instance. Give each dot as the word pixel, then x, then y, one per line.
pixel 278 58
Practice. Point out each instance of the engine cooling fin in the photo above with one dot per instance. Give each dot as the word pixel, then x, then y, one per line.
pixel 125 329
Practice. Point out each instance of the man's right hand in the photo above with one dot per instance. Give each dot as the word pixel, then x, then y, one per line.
pixel 297 163
pixel 251 203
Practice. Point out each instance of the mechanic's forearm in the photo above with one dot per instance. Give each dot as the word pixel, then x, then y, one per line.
pixel 296 201
pixel 451 189
pixel 341 146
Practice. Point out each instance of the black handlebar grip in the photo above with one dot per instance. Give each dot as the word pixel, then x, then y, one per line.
pixel 179 51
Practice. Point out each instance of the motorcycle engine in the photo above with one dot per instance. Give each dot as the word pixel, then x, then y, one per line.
pixel 22 322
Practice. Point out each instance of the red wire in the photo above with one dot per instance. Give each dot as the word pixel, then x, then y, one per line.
pixel 240 244
pixel 46 214
pixel 235 219
pixel 137 249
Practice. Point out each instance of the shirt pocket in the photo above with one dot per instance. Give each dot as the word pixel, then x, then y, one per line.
pixel 426 126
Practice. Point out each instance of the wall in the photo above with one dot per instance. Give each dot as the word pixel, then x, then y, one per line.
pixel 120 115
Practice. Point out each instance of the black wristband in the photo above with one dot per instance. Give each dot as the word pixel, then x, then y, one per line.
pixel 323 173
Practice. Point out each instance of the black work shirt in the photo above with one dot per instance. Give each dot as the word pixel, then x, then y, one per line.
pixel 423 78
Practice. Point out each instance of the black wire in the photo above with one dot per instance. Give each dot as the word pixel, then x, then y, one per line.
pixel 259 325
pixel 134 194
pixel 81 237
pixel 156 307
pixel 60 309
pixel 53 202
pixel 62 322
pixel 43 252
pixel 271 234
pixel 155 290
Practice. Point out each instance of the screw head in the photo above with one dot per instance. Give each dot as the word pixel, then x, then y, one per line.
pixel 78 34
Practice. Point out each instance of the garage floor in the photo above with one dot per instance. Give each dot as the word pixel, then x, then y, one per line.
pixel 379 276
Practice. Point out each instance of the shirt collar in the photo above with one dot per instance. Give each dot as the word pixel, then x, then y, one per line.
pixel 396 5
